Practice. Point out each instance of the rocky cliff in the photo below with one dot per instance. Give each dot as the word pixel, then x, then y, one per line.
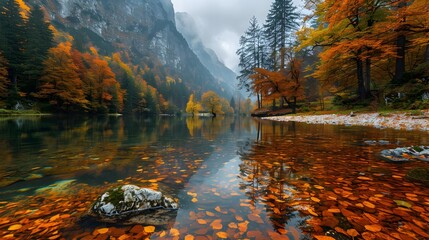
pixel 145 29
pixel 187 26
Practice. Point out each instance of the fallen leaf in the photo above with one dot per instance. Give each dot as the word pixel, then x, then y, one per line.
pixel 222 235
pixel 56 217
pixel 210 214
pixel 403 203
pixel 189 237
pixel 149 229
pixel 352 232
pixel 174 232
pixel 201 221
pixel 194 200
pixel 102 230
pixel 368 204
pixel 255 218
pixel 243 226
pixel 373 228
pixel 232 225
pixel 324 238
pixel 315 199
pixel 311 211
pixel 14 227
pixel 216 224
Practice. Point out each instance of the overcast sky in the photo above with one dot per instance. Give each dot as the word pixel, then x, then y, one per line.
pixel 220 23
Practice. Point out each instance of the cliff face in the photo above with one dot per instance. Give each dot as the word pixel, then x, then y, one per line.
pixel 186 25
pixel 145 29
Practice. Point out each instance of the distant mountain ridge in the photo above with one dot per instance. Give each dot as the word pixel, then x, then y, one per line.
pixel 145 29
pixel 187 26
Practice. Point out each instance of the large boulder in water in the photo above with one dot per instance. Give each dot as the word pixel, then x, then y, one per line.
pixel 130 204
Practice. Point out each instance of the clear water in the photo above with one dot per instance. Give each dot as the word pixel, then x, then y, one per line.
pixel 236 176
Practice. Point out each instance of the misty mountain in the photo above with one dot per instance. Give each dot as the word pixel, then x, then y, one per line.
pixel 143 29
pixel 187 26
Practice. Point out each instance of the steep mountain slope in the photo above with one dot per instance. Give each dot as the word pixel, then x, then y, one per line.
pixel 186 25
pixel 144 29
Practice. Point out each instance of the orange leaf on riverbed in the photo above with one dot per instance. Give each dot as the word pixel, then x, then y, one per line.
pixel 373 228
pixel 222 235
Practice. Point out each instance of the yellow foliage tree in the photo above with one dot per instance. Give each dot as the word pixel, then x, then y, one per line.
pixel 192 106
pixel 211 102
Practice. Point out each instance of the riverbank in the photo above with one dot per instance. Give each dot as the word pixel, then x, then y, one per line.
pixel 402 121
pixel 5 112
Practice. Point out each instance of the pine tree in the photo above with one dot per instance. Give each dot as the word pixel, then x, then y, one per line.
pixel 39 39
pixel 280 24
pixel 4 80
pixel 252 54
pixel 12 38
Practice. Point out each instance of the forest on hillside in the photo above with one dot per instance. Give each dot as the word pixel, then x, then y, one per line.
pixel 46 69
pixel 357 53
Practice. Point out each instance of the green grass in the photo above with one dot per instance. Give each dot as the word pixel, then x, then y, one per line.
pixel 6 112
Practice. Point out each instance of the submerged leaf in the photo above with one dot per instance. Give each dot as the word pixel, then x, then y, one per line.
pixel 403 203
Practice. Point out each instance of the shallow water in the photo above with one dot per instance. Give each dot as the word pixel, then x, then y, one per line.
pixel 233 178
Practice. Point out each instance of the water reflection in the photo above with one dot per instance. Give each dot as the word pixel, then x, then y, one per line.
pixel 234 177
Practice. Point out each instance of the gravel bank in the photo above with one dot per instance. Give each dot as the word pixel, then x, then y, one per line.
pixel 397 121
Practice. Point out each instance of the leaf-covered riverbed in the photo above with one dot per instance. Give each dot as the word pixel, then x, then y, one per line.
pixel 233 178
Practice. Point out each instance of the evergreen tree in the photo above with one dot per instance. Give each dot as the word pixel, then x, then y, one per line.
pixel 280 24
pixel 4 81
pixel 251 53
pixel 39 39
pixel 12 38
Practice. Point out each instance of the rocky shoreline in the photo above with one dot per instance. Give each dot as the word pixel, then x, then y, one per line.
pixel 400 121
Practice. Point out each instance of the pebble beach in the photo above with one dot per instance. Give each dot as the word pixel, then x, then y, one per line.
pixel 400 121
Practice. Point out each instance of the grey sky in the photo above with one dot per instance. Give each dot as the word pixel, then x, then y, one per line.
pixel 220 23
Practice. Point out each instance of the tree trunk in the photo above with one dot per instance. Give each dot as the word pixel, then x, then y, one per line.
pixel 368 78
pixel 294 105
pixel 259 101
pixel 361 84
pixel 401 41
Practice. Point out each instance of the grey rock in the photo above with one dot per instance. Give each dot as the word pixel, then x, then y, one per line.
pixel 130 204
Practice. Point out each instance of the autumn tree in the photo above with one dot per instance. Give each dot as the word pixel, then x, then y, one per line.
pixel 286 84
pixel 226 107
pixel 193 107
pixel 348 34
pixel 211 102
pixel 60 84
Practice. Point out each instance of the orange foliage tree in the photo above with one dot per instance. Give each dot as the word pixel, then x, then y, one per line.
pixel 60 83
pixel 100 86
pixel 286 84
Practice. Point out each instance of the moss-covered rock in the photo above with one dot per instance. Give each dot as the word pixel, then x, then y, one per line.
pixel 130 204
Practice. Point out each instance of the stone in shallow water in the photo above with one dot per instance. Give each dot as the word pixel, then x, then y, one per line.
pixel 406 154
pixel 130 204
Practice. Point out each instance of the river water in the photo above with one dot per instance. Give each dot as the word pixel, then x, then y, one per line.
pixel 233 178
